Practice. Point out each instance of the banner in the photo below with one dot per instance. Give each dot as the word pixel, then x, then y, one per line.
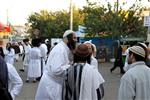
pixel 146 20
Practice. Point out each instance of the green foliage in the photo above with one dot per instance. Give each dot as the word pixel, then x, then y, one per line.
pixel 52 24
pixel 105 22
pixel 100 21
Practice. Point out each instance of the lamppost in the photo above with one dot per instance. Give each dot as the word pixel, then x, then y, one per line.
pixel 117 5
pixel 71 15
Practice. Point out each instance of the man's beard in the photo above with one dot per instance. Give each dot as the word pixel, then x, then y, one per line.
pixel 71 44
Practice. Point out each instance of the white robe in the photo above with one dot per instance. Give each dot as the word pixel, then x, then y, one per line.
pixel 94 62
pixel 26 59
pixel 21 49
pixel 34 68
pixel 126 65
pixel 15 82
pixel 91 80
pixel 90 87
pixel 50 86
pixel 44 51
pixel 9 56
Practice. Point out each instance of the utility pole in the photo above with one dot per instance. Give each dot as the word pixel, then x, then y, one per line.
pixel 71 16
pixel 117 6
pixel 7 17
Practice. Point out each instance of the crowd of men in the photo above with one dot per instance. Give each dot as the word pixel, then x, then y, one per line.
pixel 69 71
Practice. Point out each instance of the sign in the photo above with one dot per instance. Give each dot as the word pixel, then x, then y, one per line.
pixel 146 20
pixel 81 28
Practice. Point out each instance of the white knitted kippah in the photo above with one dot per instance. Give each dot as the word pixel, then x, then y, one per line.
pixel 67 32
pixel 90 42
pixel 138 50
pixel 143 44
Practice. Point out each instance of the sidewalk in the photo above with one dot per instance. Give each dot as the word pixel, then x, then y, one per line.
pixel 112 80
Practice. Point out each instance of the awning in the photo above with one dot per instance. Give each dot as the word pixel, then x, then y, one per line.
pixel 4 28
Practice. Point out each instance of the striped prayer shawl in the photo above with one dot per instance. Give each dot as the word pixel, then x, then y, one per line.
pixel 72 83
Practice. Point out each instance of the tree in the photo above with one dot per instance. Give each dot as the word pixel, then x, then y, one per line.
pixel 104 21
pixel 93 19
pixel 53 24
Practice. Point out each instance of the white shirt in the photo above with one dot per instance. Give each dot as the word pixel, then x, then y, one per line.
pixel 27 48
pixel 94 62
pixel 44 50
pixel 21 49
pixel 126 65
pixel 9 56
pixel 15 82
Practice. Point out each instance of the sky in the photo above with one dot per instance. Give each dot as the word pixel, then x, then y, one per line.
pixel 19 10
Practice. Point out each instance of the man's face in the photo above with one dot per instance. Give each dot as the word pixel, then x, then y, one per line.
pixel 8 45
pixel 72 42
pixel 89 46
pixel 26 43
pixel 130 57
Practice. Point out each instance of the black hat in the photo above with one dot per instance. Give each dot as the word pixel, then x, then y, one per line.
pixel 25 40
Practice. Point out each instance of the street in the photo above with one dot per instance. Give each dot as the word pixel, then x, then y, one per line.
pixel 111 82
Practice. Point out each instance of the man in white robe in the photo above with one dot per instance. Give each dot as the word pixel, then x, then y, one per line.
pixel 126 65
pixel 83 81
pixel 10 79
pixel 135 83
pixel 44 50
pixel 15 83
pixel 27 48
pixel 50 86
pixel 93 60
pixel 34 68
pixel 9 54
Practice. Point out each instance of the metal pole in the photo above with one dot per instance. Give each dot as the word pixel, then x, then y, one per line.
pixel 117 5
pixel 7 18
pixel 71 16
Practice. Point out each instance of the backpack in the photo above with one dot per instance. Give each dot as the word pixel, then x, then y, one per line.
pixel 4 93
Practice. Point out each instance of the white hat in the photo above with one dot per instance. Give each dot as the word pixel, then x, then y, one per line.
pixel 138 50
pixel 94 46
pixel 90 42
pixel 67 32
pixel 143 44
pixel 46 40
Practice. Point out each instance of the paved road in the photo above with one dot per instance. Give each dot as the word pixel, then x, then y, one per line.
pixel 111 85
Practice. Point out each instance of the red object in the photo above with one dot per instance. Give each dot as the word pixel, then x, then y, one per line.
pixel 7 29
pixel 4 28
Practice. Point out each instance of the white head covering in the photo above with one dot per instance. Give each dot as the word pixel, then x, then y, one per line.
pixel 143 44
pixel 46 40
pixel 90 42
pixel 67 32
pixel 94 47
pixel 138 50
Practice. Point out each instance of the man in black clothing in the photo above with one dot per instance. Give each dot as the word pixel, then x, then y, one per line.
pixel 118 61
